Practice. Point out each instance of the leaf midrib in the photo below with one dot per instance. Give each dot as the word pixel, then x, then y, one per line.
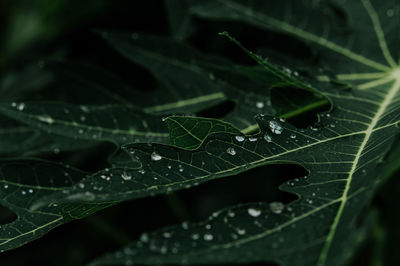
pixel 380 112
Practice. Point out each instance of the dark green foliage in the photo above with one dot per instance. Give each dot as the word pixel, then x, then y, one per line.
pixel 275 142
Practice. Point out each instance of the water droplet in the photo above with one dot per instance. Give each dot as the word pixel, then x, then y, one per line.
pixel 142 171
pixel 155 156
pixel 20 106
pixel 231 151
pixel 5 186
pixel 56 151
pixel 195 236
pixel 390 12
pixel 80 131
pixel 208 237
pixel 260 105
pixel 211 76
pixel 126 176
pixel 239 138
pixel 84 108
pixel 328 115
pixel 254 212
pixel 144 237
pixel 268 138
pixel 83 118
pixel 241 231
pixel 167 234
pixel 252 139
pixel 163 250
pixel 23 192
pixel 275 127
pixel 293 136
pixel 30 191
pixel 46 119
pixel 282 119
pixel 81 185
pixel 332 125
pixel 276 207
pixel 231 214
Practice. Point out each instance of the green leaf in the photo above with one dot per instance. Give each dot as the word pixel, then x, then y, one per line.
pixel 118 124
pixel 25 181
pixel 195 82
pixel 190 132
pixel 343 154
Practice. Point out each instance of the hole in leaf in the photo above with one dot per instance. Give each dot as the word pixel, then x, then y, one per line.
pixel 299 106
pixel 258 184
pixel 6 215
pixel 218 111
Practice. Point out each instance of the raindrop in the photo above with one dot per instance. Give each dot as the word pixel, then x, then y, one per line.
pixel 144 237
pixel 208 237
pixel 155 156
pixel 23 192
pixel 254 212
pixel 275 127
pixel 80 131
pixel 241 231
pixel 276 207
pixel 260 105
pixel 268 138
pixel 282 119
pixel 163 250
pixel 126 176
pixel 231 151
pixel 239 138
pixel 195 236
pixel 252 139
pixel 83 118
pixel 293 136
pixel 332 125
pixel 30 191
pixel 390 12
pixel 84 108
pixel 46 119
pixel 20 106
pixel 142 171
pixel 5 186
pixel 167 234
pixel 81 185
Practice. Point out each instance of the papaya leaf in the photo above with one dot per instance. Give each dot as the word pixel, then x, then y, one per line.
pixel 343 154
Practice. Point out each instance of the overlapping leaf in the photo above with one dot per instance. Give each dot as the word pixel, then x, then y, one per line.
pixel 343 155
pixel 23 182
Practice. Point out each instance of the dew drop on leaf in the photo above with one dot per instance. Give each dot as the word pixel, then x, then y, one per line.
pixel 254 212
pixel 276 207
pixel 20 106
pixel 47 119
pixel 126 176
pixel 293 136
pixel 231 151
pixel 268 138
pixel 208 237
pixel 155 156
pixel 260 105
pixel 252 139
pixel 239 138
pixel 275 127
pixel 144 237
